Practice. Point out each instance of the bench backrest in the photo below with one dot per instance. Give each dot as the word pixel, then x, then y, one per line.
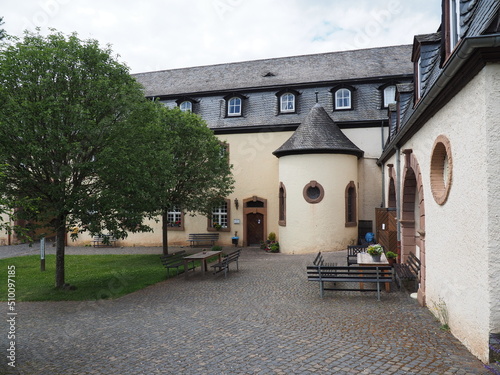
pixel 318 261
pixel 382 273
pixel 172 258
pixel 414 263
pixel 353 250
pixel 231 257
pixel 352 253
pixel 200 236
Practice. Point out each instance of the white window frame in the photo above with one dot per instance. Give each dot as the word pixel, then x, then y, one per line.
pixel 454 26
pixel 419 78
pixel 220 215
pixel 287 103
pixel 174 215
pixel 234 109
pixel 389 95
pixel 341 95
pixel 186 106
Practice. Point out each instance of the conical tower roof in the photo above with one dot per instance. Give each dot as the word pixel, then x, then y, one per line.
pixel 318 134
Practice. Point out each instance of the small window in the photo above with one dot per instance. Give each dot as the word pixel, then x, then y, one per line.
pixel 186 106
pixel 219 220
pixel 313 192
pixel 175 219
pixel 343 99
pixel 441 169
pixel 282 205
pixel 454 23
pixel 389 95
pixel 287 103
pixel 350 205
pixel 234 107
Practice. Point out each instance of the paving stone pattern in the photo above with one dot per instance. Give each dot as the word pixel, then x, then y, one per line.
pixel 265 319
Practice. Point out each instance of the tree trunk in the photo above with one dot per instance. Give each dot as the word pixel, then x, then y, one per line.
pixel 60 247
pixel 164 232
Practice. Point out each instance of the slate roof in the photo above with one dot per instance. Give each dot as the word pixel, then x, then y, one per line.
pixel 287 71
pixel 477 17
pixel 318 134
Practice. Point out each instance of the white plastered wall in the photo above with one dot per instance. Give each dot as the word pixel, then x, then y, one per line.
pixel 492 94
pixel 461 241
pixel 319 226
pixel 255 170
pixel 370 176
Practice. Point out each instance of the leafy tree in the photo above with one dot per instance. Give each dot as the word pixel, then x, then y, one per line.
pixel 2 31
pixel 199 176
pixel 70 114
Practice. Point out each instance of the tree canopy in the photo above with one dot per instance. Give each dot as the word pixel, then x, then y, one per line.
pixel 199 176
pixel 69 114
pixel 2 31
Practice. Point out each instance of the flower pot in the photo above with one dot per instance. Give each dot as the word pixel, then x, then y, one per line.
pixel 376 258
pixel 391 261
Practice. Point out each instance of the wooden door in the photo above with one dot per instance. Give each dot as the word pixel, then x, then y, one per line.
pixel 386 229
pixel 255 228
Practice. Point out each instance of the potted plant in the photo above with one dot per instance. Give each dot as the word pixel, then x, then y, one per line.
pixel 375 251
pixel 391 257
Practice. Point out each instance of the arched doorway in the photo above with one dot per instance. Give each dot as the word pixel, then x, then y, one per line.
pixel 413 217
pixel 255 216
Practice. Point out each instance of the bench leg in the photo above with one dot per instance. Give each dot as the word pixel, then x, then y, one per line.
pixel 378 291
pixel 321 289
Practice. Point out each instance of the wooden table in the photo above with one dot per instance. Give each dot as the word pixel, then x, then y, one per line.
pixel 365 259
pixel 203 256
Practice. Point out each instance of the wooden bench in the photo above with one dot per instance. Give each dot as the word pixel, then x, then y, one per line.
pixel 176 260
pixel 352 253
pixel 203 237
pixel 346 274
pixel 105 240
pixel 408 271
pixel 319 261
pixel 224 264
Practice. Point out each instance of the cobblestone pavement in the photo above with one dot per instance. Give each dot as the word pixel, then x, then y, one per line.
pixel 264 319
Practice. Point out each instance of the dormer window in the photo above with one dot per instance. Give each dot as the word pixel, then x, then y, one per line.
pixel 418 81
pixel 454 22
pixel 287 101
pixel 234 105
pixel 389 95
pixel 186 106
pixel 342 97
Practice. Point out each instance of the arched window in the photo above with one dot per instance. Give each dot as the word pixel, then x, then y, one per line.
pixel 282 205
pixel 234 106
pixel 350 205
pixel 186 106
pixel 287 103
pixel 343 99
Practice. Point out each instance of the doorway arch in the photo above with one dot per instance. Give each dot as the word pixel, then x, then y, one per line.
pixel 413 217
pixel 255 220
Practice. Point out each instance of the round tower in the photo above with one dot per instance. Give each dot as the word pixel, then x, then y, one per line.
pixel 318 173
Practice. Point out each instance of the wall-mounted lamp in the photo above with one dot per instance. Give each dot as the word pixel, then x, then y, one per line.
pixel 236 203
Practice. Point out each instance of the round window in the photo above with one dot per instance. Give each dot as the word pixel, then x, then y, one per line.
pixel 441 169
pixel 313 192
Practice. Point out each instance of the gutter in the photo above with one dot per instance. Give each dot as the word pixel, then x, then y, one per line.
pixel 465 50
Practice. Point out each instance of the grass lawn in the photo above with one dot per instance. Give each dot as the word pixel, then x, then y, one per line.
pixel 94 276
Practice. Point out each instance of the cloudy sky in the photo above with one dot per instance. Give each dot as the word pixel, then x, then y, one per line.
pixel 164 34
